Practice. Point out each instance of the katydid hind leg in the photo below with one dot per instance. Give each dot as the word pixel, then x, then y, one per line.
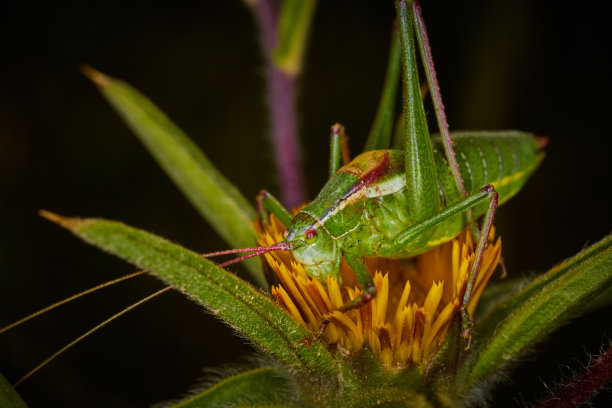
pixel 475 269
pixel 436 96
pixel 427 226
pixel 421 178
pixel 482 235
pixel 267 203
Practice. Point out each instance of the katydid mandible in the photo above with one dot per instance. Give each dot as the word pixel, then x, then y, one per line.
pixel 399 203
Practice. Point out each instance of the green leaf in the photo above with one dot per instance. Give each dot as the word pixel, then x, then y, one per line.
pixel 491 320
pixel 258 387
pixel 538 309
pixel 246 309
pixel 8 396
pixel 293 27
pixel 380 133
pixel 207 189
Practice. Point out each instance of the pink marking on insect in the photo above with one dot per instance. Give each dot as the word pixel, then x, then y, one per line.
pixel 377 172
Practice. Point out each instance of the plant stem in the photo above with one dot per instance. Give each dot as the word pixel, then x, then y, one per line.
pixel 584 385
pixel 282 107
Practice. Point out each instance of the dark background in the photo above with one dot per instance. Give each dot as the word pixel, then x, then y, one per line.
pixel 502 64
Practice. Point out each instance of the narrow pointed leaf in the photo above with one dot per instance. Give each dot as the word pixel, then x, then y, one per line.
pixel 8 396
pixel 258 387
pixel 380 133
pixel 502 311
pixel 207 189
pixel 246 309
pixel 538 309
pixel 293 27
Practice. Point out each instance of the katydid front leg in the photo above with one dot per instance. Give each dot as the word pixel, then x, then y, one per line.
pixel 339 155
pixel 365 281
pixel 339 149
pixel 267 203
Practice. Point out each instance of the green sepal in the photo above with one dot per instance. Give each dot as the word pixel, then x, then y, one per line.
pixel 217 200
pixel 254 315
pixel 535 311
pixel 293 27
pixel 368 383
pixel 441 368
pixel 382 128
pixel 363 370
pixel 395 397
pixel 259 387
pixel 8 396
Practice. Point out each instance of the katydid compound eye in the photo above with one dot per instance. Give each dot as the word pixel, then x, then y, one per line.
pixel 310 234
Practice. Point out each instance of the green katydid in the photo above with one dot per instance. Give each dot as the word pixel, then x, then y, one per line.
pixel 400 203
pixel 395 203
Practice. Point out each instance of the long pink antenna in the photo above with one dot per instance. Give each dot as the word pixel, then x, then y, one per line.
pixel 281 246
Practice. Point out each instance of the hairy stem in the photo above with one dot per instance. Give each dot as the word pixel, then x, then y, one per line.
pixel 584 385
pixel 282 107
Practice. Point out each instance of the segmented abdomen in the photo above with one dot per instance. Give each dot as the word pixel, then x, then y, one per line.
pixel 504 159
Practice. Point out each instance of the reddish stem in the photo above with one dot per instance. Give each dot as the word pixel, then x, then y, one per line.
pixel 584 385
pixel 282 108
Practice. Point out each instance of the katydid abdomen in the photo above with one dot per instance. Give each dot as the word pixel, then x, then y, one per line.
pixel 502 160
pixel 363 207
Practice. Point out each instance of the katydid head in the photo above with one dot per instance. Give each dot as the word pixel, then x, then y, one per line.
pixel 309 242
pixel 313 247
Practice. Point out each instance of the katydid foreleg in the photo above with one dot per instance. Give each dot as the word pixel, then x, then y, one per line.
pixel 267 203
pixel 339 149
pixel 339 155
pixel 365 281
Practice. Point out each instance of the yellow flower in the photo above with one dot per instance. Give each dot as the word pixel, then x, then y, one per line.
pixel 416 300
